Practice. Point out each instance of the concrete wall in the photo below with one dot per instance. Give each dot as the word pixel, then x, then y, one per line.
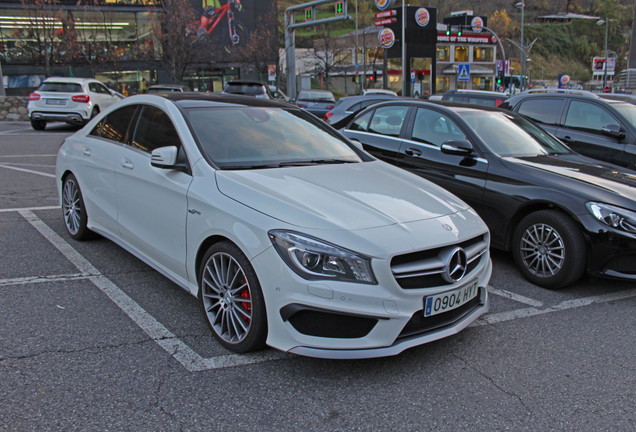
pixel 13 108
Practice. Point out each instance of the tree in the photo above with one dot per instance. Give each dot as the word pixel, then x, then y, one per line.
pixel 261 48
pixel 42 17
pixel 330 52
pixel 176 35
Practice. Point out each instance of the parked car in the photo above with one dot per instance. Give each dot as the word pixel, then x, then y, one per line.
pixel 289 234
pixel 70 100
pixel 248 88
pixel 317 102
pixel 599 128
pixel 168 88
pixel 478 97
pixel 352 104
pixel 557 211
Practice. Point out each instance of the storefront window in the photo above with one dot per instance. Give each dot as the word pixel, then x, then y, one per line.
pixel 442 84
pixel 443 53
pixel 461 53
pixel 483 54
pixel 482 83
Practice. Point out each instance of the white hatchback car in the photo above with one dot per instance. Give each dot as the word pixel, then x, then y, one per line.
pixel 70 100
pixel 288 233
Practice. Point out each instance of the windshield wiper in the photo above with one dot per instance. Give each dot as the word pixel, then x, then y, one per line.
pixel 316 162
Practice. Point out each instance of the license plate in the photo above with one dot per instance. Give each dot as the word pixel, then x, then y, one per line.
pixel 55 102
pixel 450 300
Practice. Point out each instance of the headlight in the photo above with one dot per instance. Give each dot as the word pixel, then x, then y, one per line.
pixel 311 258
pixel 615 217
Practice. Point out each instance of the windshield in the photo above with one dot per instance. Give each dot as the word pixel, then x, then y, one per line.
pixel 316 96
pixel 508 135
pixel 627 110
pixel 265 137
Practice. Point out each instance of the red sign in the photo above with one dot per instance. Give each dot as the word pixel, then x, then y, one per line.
pixel 606 89
pixel 385 22
pixel 385 14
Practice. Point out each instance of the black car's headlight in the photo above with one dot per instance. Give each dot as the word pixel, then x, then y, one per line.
pixel 314 259
pixel 615 217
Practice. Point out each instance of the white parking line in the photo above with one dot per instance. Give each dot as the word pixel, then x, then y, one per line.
pixel 9 132
pixel 27 156
pixel 191 360
pixel 157 331
pixel 4 165
pixel 515 297
pixel 9 210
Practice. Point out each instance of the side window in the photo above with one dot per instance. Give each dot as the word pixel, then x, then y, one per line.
pixel 362 123
pixel 388 120
pixel 154 130
pixel 116 124
pixel 435 128
pixel 589 116
pixel 97 130
pixel 544 111
pixel 354 107
pixel 93 87
pixel 101 89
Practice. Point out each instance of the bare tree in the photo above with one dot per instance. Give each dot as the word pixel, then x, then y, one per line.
pixel 331 53
pixel 262 46
pixel 41 32
pixel 176 35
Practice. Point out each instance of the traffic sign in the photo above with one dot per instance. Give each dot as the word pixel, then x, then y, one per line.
pixel 309 14
pixel 463 73
pixel 340 10
pixel 384 22
pixel 606 89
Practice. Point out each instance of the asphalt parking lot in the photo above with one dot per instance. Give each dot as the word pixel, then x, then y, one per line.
pixel 92 339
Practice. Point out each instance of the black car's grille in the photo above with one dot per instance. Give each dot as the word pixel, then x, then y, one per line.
pixel 419 324
pixel 425 269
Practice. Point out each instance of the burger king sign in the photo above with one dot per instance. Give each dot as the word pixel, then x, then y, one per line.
pixel 386 38
pixel 422 17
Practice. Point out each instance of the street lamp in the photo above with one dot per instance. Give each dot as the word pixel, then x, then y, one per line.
pixel 522 5
pixel 606 22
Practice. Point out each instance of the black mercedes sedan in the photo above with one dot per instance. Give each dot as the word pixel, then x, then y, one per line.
pixel 560 213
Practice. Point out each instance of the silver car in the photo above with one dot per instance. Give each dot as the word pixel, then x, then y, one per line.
pixel 70 100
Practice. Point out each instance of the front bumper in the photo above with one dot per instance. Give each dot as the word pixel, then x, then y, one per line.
pixel 341 320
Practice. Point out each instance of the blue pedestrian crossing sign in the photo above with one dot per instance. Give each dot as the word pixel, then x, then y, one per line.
pixel 463 73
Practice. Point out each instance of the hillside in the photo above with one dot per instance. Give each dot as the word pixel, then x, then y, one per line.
pixel 560 47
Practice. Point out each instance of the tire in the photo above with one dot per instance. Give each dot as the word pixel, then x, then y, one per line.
pixel 549 249
pixel 75 218
pixel 231 299
pixel 94 112
pixel 38 125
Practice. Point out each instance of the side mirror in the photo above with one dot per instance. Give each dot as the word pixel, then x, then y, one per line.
pixel 164 157
pixel 457 147
pixel 614 131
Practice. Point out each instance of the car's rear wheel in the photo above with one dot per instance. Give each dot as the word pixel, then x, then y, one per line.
pixel 75 218
pixel 549 249
pixel 231 298
pixel 95 112
pixel 38 124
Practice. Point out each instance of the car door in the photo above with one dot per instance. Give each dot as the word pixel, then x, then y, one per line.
pixel 379 131
pixel 152 202
pixel 421 154
pixel 99 155
pixel 581 131
pixel 107 97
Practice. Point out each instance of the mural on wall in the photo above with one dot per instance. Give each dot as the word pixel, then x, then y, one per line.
pixel 231 24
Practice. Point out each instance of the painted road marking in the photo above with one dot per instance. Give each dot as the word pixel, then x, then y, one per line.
pixel 191 360
pixel 4 165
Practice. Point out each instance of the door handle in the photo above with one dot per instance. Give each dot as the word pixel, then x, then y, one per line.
pixel 86 151
pixel 127 163
pixel 566 139
pixel 413 152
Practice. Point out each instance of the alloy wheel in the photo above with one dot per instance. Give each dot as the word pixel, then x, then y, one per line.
pixel 542 250
pixel 71 206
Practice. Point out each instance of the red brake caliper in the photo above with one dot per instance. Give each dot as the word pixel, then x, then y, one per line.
pixel 247 306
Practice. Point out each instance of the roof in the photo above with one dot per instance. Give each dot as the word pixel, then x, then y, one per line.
pixel 69 79
pixel 197 99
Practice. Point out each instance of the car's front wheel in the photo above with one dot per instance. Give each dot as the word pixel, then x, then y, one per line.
pixel 38 125
pixel 231 298
pixel 75 218
pixel 549 249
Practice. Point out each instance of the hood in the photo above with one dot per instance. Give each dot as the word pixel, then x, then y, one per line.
pixel 584 172
pixel 341 197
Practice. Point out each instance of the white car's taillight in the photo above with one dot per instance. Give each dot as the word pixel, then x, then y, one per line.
pixel 81 98
pixel 34 97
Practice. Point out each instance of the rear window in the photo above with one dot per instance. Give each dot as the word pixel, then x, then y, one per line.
pixel 316 96
pixel 245 89
pixel 61 87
